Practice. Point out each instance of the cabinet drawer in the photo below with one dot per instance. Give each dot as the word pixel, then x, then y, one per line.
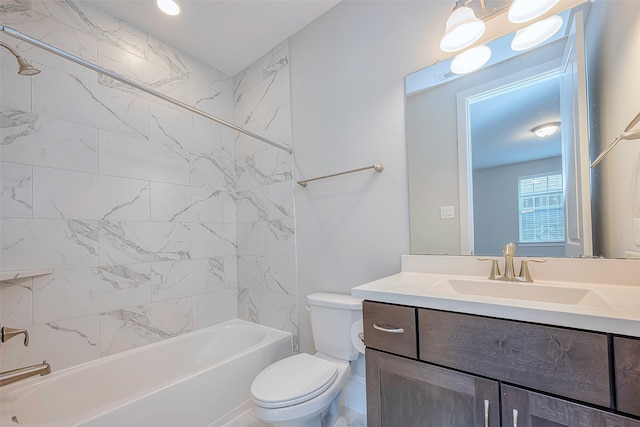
pixel 556 360
pixel 627 369
pixel 390 328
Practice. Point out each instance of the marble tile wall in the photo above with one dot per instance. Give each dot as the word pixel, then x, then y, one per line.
pixel 129 199
pixel 267 280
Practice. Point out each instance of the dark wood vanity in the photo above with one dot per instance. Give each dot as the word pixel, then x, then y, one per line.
pixel 436 368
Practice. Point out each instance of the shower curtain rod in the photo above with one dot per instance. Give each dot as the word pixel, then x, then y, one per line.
pixel 21 36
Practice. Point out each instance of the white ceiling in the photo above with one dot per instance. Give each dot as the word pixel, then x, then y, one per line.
pixel 227 34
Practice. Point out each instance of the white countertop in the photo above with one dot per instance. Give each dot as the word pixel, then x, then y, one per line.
pixel 619 313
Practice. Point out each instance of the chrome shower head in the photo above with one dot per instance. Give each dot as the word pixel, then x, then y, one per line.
pixel 24 68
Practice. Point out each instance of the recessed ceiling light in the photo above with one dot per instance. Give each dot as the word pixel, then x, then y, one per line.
pixel 546 130
pixel 169 7
pixel 470 60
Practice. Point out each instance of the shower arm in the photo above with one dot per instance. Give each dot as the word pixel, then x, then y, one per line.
pixel 21 36
pixel 10 49
pixel 627 134
pixel 24 67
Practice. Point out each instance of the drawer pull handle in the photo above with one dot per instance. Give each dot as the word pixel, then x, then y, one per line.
pixel 486 413
pixel 515 418
pixel 390 330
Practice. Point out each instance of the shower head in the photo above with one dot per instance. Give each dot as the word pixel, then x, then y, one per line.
pixel 24 68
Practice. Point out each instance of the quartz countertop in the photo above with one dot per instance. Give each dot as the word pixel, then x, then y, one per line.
pixel 617 310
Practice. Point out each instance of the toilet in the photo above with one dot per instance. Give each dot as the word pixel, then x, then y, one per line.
pixel 303 390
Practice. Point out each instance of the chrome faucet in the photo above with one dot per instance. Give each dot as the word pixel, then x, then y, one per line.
pixel 19 374
pixel 508 252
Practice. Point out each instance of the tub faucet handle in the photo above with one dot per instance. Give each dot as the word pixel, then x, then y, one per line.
pixel 7 333
pixel 495 268
pixel 524 275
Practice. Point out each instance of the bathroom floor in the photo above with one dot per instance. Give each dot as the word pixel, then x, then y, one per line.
pixel 246 419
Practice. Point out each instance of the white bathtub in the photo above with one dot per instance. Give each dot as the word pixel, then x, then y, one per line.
pixel 191 380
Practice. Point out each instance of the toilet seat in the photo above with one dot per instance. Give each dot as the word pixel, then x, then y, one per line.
pixel 293 380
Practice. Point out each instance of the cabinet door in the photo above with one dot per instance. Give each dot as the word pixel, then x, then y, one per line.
pixel 522 408
pixel 627 365
pixel 407 393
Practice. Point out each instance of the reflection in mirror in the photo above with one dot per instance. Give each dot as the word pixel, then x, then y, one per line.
pixel 473 150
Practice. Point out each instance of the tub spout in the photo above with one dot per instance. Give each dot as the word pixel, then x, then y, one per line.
pixel 19 374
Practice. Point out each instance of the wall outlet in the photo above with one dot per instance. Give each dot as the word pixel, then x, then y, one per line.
pixel 447 212
pixel 636 228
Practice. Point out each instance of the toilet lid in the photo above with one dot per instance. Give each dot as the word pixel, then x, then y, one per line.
pixel 293 380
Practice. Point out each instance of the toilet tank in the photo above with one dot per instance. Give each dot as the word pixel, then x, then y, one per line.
pixel 332 316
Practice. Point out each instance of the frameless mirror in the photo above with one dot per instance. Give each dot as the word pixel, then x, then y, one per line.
pixel 480 177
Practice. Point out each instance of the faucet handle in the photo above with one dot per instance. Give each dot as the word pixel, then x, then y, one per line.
pixel 524 269
pixel 495 268
pixel 7 333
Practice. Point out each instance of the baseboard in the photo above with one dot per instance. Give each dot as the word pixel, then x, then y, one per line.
pixel 355 394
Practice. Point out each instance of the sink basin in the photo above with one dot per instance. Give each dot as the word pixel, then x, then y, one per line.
pixel 521 291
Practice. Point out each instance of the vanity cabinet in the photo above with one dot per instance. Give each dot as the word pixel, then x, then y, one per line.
pixel 552 376
pixel 408 393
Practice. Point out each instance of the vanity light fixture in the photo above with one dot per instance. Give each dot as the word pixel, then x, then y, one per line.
pixel 536 33
pixel 546 130
pixel 470 60
pixel 463 29
pixel 526 10
pixel 169 7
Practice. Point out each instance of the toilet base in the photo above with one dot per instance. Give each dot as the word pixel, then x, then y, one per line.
pixel 313 422
pixel 327 418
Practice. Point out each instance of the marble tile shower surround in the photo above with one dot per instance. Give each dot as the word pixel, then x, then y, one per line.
pixel 267 280
pixel 156 221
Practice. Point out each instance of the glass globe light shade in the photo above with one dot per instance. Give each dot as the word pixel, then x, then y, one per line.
pixel 525 10
pixel 470 60
pixel 536 33
pixel 463 29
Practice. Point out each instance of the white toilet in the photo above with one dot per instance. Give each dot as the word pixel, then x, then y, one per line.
pixel 303 390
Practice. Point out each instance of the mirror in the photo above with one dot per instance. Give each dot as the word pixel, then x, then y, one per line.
pixel 478 175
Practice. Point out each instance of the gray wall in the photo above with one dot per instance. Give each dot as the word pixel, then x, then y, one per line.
pixel 347 87
pixel 495 207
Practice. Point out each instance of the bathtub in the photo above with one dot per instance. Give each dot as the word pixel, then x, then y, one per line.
pixel 194 380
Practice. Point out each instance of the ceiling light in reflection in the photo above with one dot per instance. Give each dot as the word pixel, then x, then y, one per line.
pixel 470 60
pixel 546 130
pixel 525 10
pixel 169 7
pixel 536 33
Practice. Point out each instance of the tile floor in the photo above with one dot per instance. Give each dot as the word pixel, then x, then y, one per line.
pixel 246 419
